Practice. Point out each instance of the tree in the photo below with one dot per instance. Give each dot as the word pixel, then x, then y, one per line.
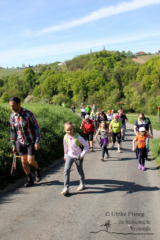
pixel 1 83
pixel 28 76
pixel 5 97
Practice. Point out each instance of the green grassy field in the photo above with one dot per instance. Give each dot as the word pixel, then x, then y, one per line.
pixel 8 72
pixel 146 58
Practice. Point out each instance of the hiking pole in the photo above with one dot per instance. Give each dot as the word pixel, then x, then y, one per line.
pixel 13 163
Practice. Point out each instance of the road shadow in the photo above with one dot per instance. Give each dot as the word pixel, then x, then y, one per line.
pixel 108 186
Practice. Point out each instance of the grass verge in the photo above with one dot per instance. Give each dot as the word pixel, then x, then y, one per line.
pixel 154 146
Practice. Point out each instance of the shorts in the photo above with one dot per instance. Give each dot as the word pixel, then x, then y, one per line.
pixel 118 135
pixel 89 136
pixel 25 149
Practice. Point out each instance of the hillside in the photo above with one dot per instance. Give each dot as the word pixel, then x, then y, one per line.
pixel 145 58
pixel 9 72
pixel 104 78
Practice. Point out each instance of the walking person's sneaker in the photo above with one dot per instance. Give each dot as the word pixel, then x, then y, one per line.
pixel 108 156
pixel 112 147
pixel 119 151
pixel 38 175
pixel 139 166
pixel 143 168
pixel 29 183
pixel 65 191
pixel 81 187
pixel 91 149
pixel 101 159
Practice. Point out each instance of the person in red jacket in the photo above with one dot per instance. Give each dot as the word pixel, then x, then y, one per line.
pixel 89 130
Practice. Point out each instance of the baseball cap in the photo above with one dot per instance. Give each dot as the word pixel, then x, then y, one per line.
pixel 142 129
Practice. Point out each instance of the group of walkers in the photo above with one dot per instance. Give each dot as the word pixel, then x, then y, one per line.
pixel 25 138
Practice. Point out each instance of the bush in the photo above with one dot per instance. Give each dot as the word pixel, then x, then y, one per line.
pixel 60 98
pixel 5 97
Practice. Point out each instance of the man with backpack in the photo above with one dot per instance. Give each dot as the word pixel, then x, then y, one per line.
pixel 145 122
pixel 25 138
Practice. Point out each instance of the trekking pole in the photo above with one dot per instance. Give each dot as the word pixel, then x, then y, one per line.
pixel 13 163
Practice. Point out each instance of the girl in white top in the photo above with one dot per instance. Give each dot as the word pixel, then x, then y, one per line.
pixel 73 153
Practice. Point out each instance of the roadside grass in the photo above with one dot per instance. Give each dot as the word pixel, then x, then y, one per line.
pixel 154 146
pixel 51 120
pixel 8 72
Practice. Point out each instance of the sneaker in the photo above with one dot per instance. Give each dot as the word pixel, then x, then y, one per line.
pixel 29 183
pixel 38 175
pixel 108 156
pixel 65 191
pixel 143 168
pixel 81 187
pixel 112 146
pixel 119 150
pixel 139 166
pixel 91 149
pixel 102 159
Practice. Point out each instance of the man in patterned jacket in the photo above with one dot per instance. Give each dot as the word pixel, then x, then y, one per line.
pixel 25 138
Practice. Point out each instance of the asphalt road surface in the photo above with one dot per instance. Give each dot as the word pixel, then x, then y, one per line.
pixel 119 202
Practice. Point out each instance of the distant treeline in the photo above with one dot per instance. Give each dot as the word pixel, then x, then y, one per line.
pixel 104 78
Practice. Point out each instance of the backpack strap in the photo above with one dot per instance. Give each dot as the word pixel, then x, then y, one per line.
pixel 76 139
pixel 66 138
pixel 145 120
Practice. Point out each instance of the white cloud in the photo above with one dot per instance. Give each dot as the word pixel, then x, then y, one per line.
pixel 99 14
pixel 51 50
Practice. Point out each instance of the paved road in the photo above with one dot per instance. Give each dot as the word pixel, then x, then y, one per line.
pixel 118 198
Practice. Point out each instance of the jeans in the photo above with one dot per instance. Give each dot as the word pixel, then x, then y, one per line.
pixel 68 164
pixel 147 145
pixel 124 128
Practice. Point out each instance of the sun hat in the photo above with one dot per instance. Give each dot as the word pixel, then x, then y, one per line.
pixel 142 129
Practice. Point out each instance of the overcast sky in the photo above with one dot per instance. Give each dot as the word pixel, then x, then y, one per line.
pixel 44 31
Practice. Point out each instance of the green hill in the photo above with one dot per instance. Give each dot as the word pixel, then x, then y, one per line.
pixel 104 78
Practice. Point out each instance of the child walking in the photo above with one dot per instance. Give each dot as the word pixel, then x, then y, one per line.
pixel 141 146
pixel 104 134
pixel 73 153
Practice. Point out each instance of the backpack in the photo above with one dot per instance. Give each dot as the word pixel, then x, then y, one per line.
pixel 75 139
pixel 146 119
